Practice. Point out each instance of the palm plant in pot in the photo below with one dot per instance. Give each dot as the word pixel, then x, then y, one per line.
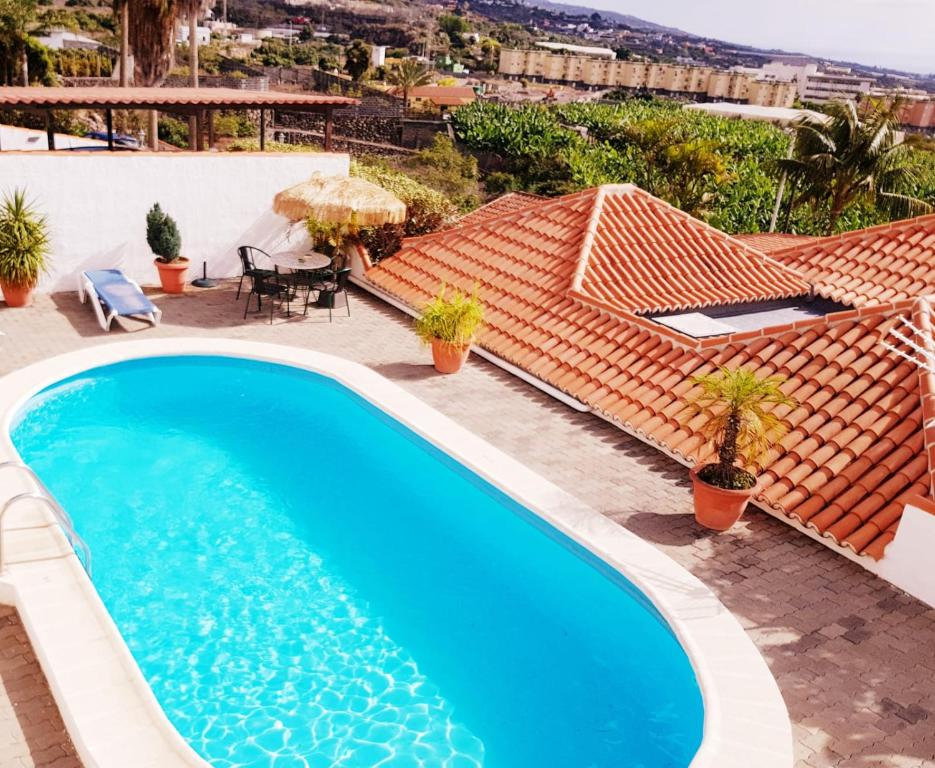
pixel 737 411
pixel 164 240
pixel 450 325
pixel 24 246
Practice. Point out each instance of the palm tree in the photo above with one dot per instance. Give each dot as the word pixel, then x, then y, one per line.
pixel 15 18
pixel 736 406
pixel 408 74
pixel 838 160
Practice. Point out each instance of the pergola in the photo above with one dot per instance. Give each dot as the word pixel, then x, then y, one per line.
pixel 199 103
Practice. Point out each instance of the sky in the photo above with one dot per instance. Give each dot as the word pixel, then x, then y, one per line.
pixel 889 33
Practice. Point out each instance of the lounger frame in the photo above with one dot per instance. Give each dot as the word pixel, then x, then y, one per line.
pixel 106 314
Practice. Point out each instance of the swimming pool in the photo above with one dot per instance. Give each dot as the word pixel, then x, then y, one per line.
pixel 299 576
pixel 111 711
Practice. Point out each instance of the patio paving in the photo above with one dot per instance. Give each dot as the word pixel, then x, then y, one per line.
pixel 854 657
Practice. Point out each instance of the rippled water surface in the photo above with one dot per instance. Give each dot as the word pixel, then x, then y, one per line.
pixel 303 582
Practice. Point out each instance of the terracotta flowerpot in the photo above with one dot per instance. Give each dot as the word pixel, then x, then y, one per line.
pixel 448 358
pixel 172 275
pixel 17 295
pixel 718 508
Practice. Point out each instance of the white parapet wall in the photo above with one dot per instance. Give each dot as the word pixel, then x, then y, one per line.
pixel 908 559
pixel 96 205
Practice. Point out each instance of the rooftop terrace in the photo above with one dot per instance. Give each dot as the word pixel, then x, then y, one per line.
pixel 854 657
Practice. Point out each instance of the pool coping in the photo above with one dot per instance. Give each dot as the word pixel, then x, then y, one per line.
pixel 98 685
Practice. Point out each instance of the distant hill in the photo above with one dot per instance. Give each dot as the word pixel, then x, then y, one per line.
pixel 623 18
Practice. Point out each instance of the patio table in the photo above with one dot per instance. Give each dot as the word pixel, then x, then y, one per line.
pixel 300 260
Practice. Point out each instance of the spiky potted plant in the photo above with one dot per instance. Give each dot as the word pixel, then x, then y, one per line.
pixel 164 240
pixel 450 326
pixel 736 407
pixel 24 246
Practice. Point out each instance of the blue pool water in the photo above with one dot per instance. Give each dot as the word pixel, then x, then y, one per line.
pixel 304 582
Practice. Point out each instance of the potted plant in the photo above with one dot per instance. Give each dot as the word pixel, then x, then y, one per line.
pixel 450 326
pixel 736 408
pixel 24 246
pixel 162 234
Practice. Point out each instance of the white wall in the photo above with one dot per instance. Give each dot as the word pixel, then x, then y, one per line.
pixel 96 204
pixel 907 562
pixel 31 140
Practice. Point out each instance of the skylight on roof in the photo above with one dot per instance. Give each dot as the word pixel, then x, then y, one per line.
pixel 751 316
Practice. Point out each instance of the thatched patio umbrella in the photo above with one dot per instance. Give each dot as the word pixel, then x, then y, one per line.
pixel 333 199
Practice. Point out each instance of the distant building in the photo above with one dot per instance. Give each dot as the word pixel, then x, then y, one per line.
pixel 697 83
pixel 919 114
pixel 833 84
pixel 61 39
pixel 203 33
pixel 577 50
pixel 378 56
pixel 438 98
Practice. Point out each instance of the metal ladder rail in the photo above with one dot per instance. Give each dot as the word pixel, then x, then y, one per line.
pixel 45 496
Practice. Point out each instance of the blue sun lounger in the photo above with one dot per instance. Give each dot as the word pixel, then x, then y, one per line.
pixel 113 294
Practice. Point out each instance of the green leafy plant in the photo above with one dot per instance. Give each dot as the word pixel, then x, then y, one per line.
pixel 162 234
pixel 328 237
pixel 24 241
pixel 737 411
pixel 454 320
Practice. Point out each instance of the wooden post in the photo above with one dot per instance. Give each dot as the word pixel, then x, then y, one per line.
pixel 329 128
pixel 199 133
pixel 125 44
pixel 109 114
pixel 211 129
pixel 154 130
pixel 262 130
pixel 50 130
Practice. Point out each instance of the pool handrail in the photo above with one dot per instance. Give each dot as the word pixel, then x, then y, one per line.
pixel 45 496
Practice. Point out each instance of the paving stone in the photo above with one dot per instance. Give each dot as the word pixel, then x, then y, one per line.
pixel 786 589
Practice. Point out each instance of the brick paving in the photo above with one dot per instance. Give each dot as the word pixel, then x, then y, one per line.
pixel 854 657
pixel 32 734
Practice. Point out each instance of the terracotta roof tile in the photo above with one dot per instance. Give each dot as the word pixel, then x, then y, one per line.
pixel 856 439
pixel 891 262
pixel 767 242
pixel 512 201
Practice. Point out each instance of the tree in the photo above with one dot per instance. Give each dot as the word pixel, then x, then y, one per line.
pixel 490 49
pixel 357 59
pixel 839 160
pixel 16 16
pixel 408 74
pixel 736 408
pixel 454 27
pixel 442 166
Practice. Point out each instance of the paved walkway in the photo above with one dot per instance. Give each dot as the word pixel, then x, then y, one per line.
pixel 854 657
pixel 31 729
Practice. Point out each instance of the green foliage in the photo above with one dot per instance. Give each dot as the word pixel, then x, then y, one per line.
pixel 278 53
pixel 173 131
pixel 357 59
pixel 16 18
pixel 24 241
pixel 80 62
pixel 841 160
pixel 444 168
pixel 328 236
pixel 426 209
pixel 455 321
pixel 736 409
pixel 253 145
pixel 234 124
pixel 162 234
pixel 719 169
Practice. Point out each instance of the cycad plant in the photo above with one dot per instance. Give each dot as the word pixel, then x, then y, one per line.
pixel 454 321
pixel 24 241
pixel 737 408
pixel 162 235
pixel 839 159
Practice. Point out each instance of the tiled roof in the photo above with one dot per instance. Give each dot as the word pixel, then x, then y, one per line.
pixel 91 98
pixel 511 201
pixel 767 242
pixel 891 262
pixel 855 445
pixel 640 254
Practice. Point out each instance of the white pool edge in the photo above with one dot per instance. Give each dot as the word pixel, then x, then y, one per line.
pixel 746 722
